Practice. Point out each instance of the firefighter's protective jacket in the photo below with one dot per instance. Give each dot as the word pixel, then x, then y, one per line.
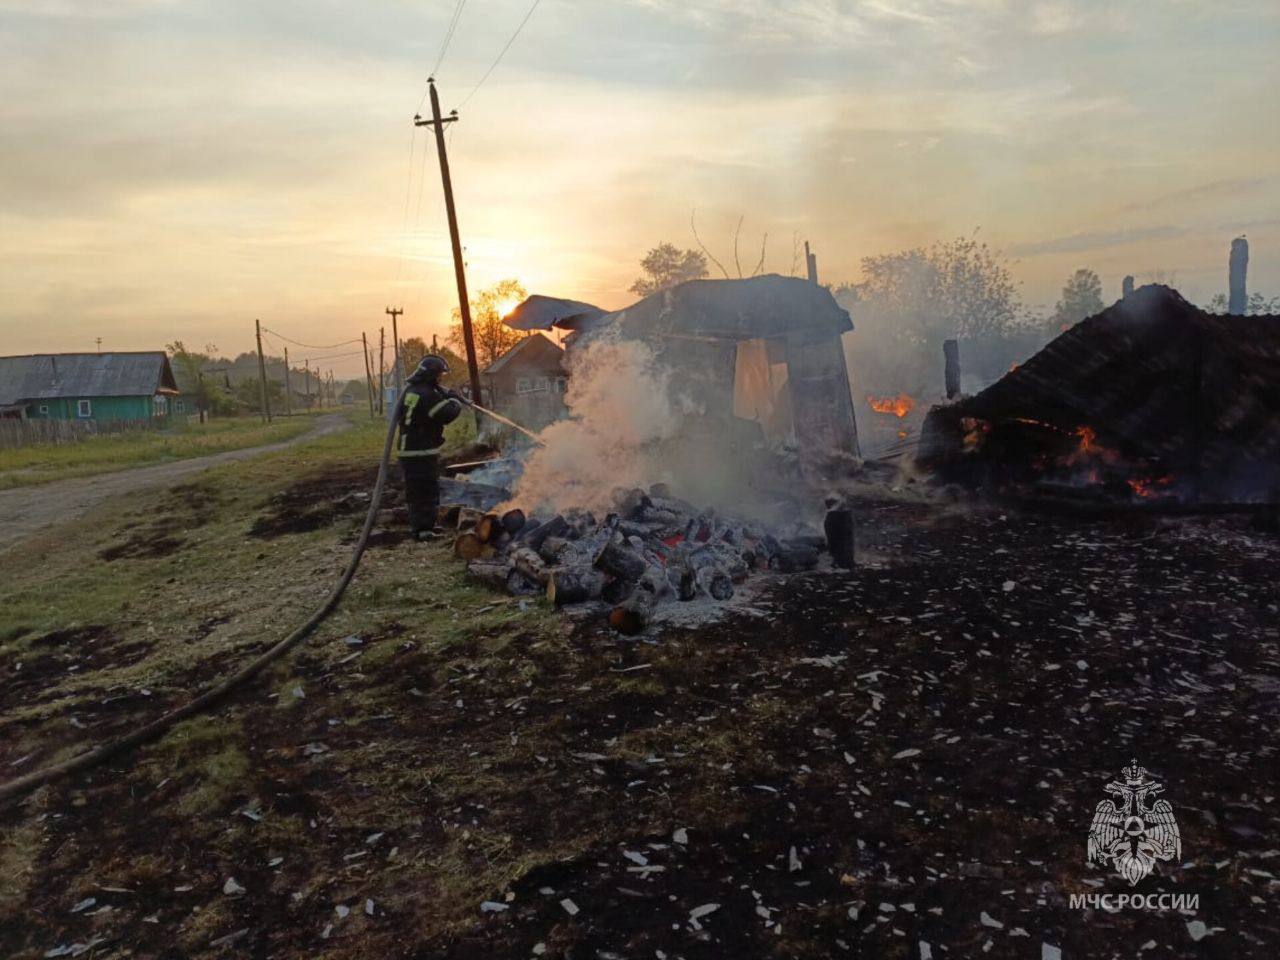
pixel 426 410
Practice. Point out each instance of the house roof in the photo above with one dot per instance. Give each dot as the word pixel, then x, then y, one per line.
pixel 542 313
pixel 51 376
pixel 528 350
pixel 764 307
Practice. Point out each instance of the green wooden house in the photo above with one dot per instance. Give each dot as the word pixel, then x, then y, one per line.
pixel 87 386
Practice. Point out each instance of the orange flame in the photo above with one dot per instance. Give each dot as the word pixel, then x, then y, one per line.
pixel 899 406
pixel 1146 486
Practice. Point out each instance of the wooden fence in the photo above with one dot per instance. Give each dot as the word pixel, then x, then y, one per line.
pixel 25 433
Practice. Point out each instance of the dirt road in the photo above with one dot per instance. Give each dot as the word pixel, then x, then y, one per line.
pixel 24 510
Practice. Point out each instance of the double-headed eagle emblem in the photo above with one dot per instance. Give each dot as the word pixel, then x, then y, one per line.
pixel 1138 832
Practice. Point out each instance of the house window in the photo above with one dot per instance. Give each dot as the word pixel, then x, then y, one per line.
pixel 524 385
pixel 177 406
pixel 44 409
pixel 84 408
pixel 160 405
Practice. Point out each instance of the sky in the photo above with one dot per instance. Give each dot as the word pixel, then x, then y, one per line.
pixel 174 169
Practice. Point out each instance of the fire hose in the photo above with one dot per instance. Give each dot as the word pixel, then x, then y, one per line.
pixel 162 724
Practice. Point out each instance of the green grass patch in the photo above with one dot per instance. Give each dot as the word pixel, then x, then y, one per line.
pixel 41 463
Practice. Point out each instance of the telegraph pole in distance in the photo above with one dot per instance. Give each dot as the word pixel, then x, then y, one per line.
pixel 464 304
pixel 394 313
pixel 382 367
pixel 368 374
pixel 262 373
pixel 288 390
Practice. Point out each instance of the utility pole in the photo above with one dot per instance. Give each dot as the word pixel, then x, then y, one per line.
pixel 368 374
pixel 262 373
pixel 394 313
pixel 382 367
pixel 464 304
pixel 288 390
pixel 98 340
pixel 306 372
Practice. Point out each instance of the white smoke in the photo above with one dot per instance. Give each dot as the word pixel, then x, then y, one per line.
pixel 621 410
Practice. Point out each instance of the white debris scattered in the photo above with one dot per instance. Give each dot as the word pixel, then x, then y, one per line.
pixel 680 836
pixel 84 904
pixel 1049 952
pixel 570 907
pixel 793 861
pixel 1197 929
pixel 635 857
pixel 990 921
pixel 342 910
pixel 298 693
pixel 368 908
pixel 926 951
pixel 492 906
pixel 909 752
pixel 539 948
pixel 1008 586
pixel 231 888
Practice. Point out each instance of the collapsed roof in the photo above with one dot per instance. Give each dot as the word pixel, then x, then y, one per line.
pixel 1153 379
pixel 764 307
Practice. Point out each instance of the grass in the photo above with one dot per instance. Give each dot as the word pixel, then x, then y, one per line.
pixel 41 463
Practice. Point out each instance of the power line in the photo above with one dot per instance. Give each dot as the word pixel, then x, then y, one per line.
pixel 444 45
pixel 309 346
pixel 501 54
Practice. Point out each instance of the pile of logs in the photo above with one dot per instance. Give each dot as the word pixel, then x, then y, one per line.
pixel 652 548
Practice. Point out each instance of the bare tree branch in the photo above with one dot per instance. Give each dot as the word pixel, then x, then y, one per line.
pixel 710 256
pixel 737 230
pixel 760 265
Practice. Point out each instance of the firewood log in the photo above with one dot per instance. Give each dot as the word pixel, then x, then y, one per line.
pixel 467 518
pixel 554 527
pixel 447 516
pixel 574 584
pixel 620 560
pixel 492 573
pixel 634 613
pixel 553 548
pixel 838 527
pixel 513 521
pixel 529 563
pixel 629 502
pixel 488 526
pixel 467 546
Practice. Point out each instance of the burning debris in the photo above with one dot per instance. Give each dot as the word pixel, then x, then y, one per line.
pixel 652 548
pixel 1152 400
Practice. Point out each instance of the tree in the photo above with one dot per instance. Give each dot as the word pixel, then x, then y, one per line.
pixel 415 348
pixel 1081 298
pixel 492 336
pixel 665 266
pixel 1257 304
pixel 208 391
pixel 909 302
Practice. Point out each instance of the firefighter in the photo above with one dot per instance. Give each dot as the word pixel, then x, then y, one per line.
pixel 427 409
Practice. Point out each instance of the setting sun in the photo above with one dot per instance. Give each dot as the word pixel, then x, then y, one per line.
pixel 506 306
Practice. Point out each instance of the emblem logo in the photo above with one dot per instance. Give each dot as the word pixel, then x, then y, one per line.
pixel 1137 832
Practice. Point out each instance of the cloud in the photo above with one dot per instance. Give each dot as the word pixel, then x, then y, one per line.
pixel 1081 242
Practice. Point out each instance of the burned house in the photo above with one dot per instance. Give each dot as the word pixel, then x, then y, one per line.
pixel 763 352
pixel 1152 399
